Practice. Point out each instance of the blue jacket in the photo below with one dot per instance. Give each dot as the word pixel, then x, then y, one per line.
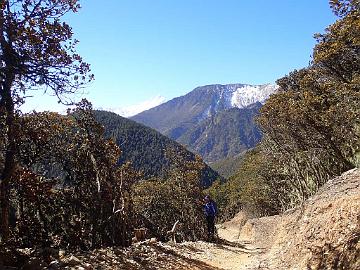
pixel 210 209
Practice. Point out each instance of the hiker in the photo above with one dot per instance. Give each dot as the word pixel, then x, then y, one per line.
pixel 210 211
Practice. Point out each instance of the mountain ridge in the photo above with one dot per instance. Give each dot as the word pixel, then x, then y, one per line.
pixel 190 113
pixel 145 147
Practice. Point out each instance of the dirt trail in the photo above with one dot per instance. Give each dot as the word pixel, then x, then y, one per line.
pixel 322 233
pixel 234 250
pixel 219 256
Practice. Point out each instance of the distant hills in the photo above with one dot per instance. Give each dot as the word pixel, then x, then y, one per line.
pixel 144 147
pixel 216 121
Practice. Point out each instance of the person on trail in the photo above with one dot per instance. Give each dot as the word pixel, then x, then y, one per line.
pixel 210 211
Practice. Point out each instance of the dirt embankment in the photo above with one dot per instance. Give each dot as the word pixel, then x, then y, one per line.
pixel 322 233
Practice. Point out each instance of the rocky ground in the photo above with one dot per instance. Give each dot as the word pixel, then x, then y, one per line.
pixel 322 233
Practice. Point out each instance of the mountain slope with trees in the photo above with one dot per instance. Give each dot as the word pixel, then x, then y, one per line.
pixel 196 119
pixel 146 148
pixel 176 116
pixel 226 134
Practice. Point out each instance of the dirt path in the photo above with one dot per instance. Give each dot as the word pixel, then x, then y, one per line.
pixel 225 255
pixel 229 253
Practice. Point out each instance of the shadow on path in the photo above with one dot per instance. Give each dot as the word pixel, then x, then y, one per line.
pixel 177 261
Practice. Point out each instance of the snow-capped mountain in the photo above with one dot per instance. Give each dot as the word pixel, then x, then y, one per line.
pixel 181 115
pixel 250 94
pixel 234 96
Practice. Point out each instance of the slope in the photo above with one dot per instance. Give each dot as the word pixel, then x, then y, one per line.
pixel 321 233
pixel 144 147
pixel 215 121
pixel 229 166
pixel 226 134
pixel 176 116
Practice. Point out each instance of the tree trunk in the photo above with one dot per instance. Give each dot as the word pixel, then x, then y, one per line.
pixel 7 108
pixel 7 77
pixel 9 164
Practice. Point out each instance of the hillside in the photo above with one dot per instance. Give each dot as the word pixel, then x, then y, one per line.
pixel 229 166
pixel 321 233
pixel 145 147
pixel 186 118
pixel 224 135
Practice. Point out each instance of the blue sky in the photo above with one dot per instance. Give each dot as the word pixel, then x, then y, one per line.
pixel 140 49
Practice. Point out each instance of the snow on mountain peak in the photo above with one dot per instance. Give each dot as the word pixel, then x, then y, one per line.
pixel 249 94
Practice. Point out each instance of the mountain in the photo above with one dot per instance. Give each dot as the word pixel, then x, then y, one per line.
pixel 145 147
pixel 225 134
pixel 175 117
pixel 200 119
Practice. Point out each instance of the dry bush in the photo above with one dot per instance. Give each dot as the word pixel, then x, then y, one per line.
pixel 160 203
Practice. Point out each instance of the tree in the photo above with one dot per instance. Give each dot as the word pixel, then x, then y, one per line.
pixel 311 127
pixel 159 204
pixel 37 51
pixel 69 190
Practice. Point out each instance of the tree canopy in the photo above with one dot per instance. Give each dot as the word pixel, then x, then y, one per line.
pixel 311 128
pixel 37 51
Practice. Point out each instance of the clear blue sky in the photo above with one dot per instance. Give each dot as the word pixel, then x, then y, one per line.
pixel 139 49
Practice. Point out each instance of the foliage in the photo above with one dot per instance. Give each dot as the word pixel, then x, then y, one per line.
pixel 247 190
pixel 311 128
pixel 37 51
pixel 37 48
pixel 146 148
pixel 229 166
pixel 162 203
pixel 67 189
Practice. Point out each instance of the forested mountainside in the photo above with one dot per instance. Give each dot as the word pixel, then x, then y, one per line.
pixel 227 167
pixel 184 118
pixel 224 135
pixel 146 148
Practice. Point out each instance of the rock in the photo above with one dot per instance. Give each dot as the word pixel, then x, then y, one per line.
pixel 153 241
pixel 62 253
